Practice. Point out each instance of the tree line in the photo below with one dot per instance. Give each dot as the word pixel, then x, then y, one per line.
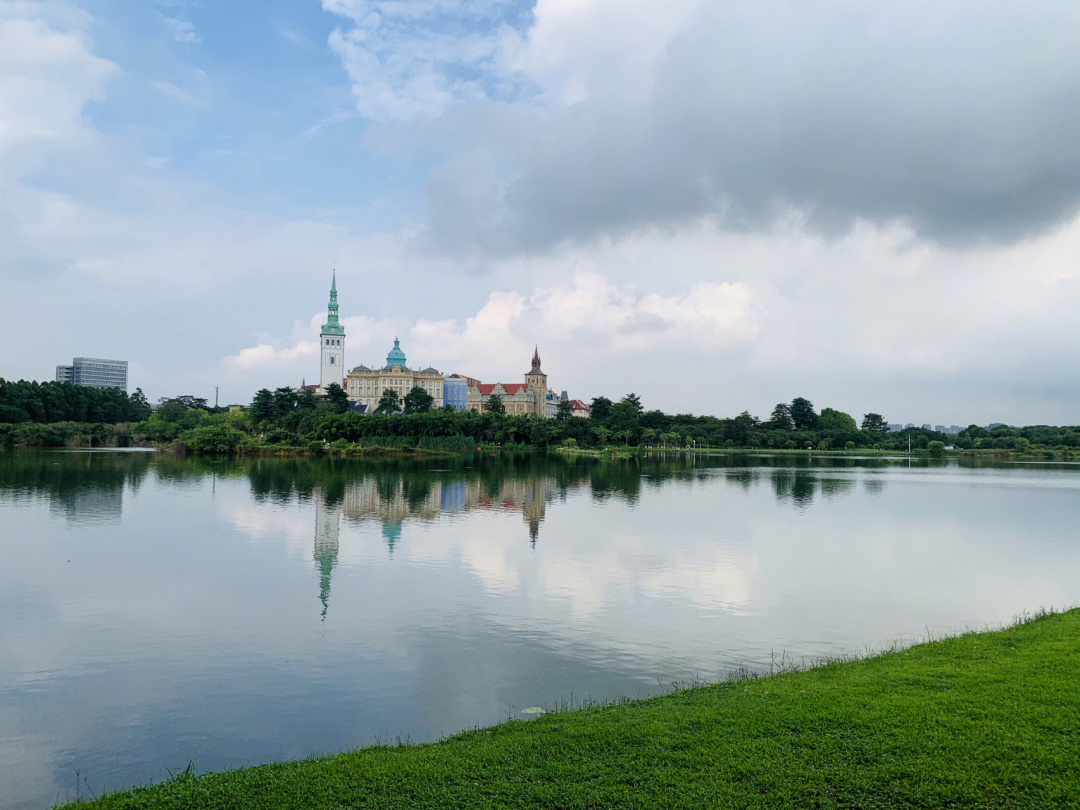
pixel 286 418
pixel 49 402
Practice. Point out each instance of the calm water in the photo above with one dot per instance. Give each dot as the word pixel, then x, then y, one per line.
pixel 156 611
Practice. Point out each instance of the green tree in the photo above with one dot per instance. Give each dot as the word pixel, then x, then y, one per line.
pixel 388 402
pixel 213 439
pixel 563 410
pixel 306 400
pixel 832 419
pixel 494 404
pixel 803 415
pixel 780 419
pixel 600 409
pixel 284 402
pixel 262 406
pixel 625 417
pixel 635 401
pixel 418 400
pixel 175 409
pixel 874 423
pixel 140 406
pixel 936 448
pixel 336 398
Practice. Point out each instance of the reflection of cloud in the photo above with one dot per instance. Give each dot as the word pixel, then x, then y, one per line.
pixel 710 579
pixel 291 524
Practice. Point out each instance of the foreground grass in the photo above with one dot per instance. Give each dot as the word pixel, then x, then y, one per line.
pixel 983 720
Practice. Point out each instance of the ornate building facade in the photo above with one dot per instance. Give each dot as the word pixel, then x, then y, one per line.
pixel 532 397
pixel 365 385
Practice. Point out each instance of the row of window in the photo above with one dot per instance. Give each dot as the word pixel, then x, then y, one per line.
pixel 333 341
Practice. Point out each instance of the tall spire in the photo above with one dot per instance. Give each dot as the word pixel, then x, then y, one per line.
pixel 333 325
pixel 536 360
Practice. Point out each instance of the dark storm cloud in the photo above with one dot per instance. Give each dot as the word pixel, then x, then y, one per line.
pixel 962 119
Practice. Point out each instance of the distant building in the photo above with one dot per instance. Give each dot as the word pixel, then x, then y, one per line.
pixel 332 344
pixel 531 397
pixel 895 427
pixel 939 429
pixel 95 373
pixel 365 385
pixel 456 392
pixel 579 408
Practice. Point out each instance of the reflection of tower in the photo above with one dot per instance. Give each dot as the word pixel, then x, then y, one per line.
pixel 327 520
pixel 391 532
pixel 534 505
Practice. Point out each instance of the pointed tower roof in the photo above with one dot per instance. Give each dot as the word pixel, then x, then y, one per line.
pixel 536 361
pixel 333 325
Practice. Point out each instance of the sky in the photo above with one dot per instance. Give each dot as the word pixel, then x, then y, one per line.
pixel 716 205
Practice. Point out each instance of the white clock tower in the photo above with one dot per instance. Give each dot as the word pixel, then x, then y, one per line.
pixel 332 348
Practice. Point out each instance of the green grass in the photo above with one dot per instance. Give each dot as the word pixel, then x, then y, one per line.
pixel 983 720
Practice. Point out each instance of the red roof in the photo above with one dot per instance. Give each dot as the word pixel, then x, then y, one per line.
pixel 487 389
pixel 578 405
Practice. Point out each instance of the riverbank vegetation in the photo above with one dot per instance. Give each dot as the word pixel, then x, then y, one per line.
pixel 986 720
pixel 285 421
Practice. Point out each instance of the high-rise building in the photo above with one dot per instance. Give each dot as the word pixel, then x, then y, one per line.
pixel 95 373
pixel 332 340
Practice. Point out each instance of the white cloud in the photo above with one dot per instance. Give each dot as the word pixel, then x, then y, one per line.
pixel 417 59
pixel 178 93
pixel 182 29
pixel 47 75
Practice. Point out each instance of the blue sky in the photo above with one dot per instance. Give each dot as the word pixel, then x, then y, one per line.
pixel 717 205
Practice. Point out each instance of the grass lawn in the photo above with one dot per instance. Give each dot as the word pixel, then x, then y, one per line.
pixel 984 720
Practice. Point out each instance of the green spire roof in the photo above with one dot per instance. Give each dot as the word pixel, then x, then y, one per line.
pixel 396 357
pixel 332 325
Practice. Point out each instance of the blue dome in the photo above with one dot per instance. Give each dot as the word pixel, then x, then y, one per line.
pixel 396 357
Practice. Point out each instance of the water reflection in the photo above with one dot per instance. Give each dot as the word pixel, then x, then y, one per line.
pixel 156 610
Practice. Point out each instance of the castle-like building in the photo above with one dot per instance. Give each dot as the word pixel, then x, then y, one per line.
pixel 364 386
pixel 532 397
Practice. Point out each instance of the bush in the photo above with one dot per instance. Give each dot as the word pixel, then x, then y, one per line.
pixel 213 439
pixel 936 448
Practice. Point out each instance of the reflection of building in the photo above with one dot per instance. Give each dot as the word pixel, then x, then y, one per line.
pixel 89 504
pixel 327 527
pixel 531 397
pixel 365 385
pixel 392 502
pixel 94 373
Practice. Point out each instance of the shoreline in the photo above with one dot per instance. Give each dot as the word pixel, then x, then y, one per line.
pixel 982 719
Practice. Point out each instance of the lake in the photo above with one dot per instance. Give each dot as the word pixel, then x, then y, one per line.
pixel 156 611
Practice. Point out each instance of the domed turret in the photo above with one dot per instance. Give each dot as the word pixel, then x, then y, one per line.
pixel 396 357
